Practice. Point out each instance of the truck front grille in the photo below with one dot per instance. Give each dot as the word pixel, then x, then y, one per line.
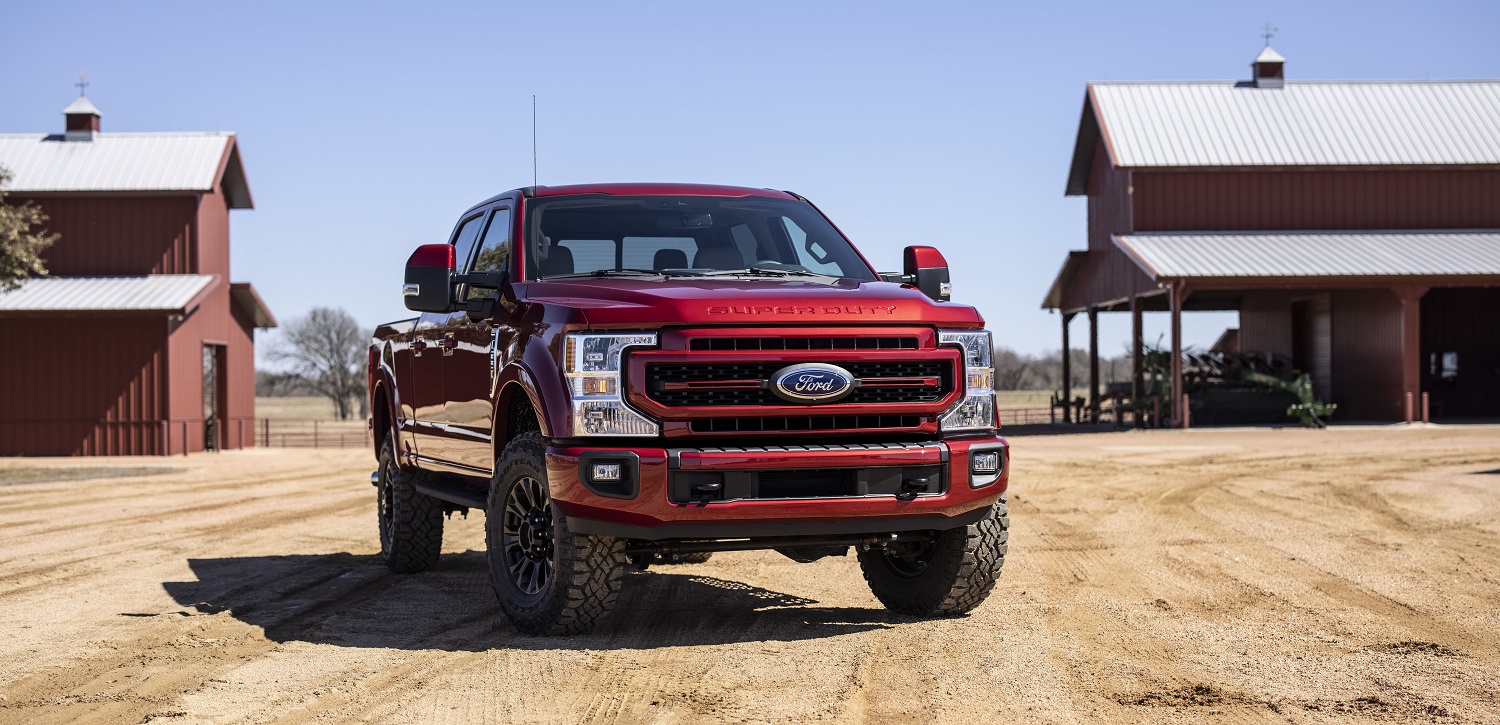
pixel 748 384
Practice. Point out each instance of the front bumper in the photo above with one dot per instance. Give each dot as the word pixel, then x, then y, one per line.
pixel 762 484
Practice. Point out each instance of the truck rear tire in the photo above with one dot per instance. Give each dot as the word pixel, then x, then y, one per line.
pixel 945 578
pixel 411 523
pixel 548 579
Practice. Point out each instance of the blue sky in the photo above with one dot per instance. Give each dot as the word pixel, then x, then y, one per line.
pixel 367 127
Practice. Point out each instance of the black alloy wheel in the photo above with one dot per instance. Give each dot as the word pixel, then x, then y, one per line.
pixel 526 538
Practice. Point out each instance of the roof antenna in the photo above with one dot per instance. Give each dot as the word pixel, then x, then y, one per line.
pixel 533 140
pixel 83 82
pixel 1268 31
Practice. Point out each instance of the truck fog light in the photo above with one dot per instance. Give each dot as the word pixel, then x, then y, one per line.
pixel 606 471
pixel 985 462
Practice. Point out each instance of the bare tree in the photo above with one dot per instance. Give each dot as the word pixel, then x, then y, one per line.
pixel 20 248
pixel 327 350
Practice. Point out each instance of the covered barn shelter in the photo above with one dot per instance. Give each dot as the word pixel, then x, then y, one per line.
pixel 1355 227
pixel 136 343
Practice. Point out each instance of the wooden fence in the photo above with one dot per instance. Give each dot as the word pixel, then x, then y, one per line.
pixel 311 433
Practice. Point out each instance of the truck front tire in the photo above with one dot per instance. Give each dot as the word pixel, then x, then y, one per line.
pixel 411 523
pixel 548 579
pixel 947 577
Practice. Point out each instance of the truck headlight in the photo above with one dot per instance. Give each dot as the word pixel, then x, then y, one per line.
pixel 976 410
pixel 591 364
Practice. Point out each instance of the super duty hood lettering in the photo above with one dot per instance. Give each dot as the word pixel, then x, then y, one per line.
pixel 802 310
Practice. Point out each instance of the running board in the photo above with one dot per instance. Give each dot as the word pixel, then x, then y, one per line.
pixel 454 493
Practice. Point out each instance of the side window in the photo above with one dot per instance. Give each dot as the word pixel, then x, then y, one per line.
pixel 463 242
pixel 494 250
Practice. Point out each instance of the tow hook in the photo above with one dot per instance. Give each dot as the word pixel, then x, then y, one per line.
pixel 910 487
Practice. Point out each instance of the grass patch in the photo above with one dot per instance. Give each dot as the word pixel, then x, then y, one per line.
pixel 294 407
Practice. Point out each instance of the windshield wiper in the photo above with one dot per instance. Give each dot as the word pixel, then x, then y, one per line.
pixel 608 273
pixel 767 272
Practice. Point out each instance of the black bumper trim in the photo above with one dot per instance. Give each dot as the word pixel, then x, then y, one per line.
pixel 758 529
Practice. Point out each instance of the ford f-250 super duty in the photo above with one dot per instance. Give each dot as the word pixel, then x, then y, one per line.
pixel 626 374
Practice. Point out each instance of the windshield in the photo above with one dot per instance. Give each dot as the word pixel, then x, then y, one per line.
pixel 673 236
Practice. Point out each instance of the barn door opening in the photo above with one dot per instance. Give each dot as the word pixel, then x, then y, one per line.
pixel 1312 342
pixel 213 390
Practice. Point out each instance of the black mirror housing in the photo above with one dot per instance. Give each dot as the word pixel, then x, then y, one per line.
pixel 927 270
pixel 428 286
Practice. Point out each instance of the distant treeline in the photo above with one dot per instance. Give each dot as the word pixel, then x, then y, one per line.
pixel 282 385
pixel 1018 371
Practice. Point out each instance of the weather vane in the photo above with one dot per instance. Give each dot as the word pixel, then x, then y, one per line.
pixel 83 82
pixel 1268 31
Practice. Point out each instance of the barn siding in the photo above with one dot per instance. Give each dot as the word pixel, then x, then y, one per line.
pixel 98 389
pixel 1266 323
pixel 105 235
pixel 212 230
pixel 1367 355
pixel 1298 199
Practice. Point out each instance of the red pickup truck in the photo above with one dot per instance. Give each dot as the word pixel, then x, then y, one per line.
pixel 622 375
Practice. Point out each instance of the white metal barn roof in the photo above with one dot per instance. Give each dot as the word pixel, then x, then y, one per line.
pixel 112 162
pixel 1308 123
pixel 143 293
pixel 1173 255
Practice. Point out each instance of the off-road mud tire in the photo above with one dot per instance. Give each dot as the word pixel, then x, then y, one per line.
pixel 587 572
pixel 961 568
pixel 411 523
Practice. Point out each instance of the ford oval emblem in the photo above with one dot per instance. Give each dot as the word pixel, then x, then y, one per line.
pixel 812 383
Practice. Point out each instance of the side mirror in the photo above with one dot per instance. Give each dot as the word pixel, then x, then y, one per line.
pixel 926 269
pixel 429 279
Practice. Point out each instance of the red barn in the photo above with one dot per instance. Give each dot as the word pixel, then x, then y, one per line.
pixel 1355 227
pixel 137 343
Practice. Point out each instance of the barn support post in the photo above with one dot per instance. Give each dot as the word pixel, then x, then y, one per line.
pixel 1178 293
pixel 1067 371
pixel 1411 347
pixel 1137 364
pixel 1093 364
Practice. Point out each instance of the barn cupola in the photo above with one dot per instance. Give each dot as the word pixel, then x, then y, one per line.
pixel 83 120
pixel 1266 70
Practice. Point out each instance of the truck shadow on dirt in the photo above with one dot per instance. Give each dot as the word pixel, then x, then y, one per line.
pixel 353 601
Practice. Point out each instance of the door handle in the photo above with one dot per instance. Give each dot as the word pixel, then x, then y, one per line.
pixel 447 343
pixel 419 344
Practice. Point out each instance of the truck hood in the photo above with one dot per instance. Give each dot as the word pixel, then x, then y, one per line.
pixel 701 301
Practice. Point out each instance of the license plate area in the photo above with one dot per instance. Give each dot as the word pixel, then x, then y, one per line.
pixel 700 487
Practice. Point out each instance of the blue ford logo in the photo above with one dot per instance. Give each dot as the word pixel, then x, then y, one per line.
pixel 812 383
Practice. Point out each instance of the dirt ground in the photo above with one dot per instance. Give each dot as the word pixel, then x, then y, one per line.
pixel 1240 575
